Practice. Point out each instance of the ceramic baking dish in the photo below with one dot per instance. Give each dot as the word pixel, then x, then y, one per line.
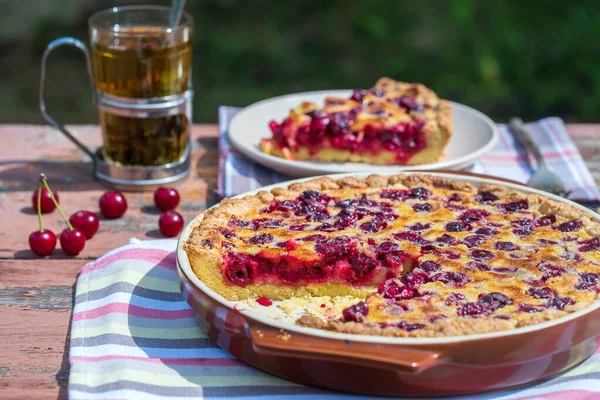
pixel 374 365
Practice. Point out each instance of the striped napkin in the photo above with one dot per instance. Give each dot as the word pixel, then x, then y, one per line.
pixel 238 174
pixel 134 337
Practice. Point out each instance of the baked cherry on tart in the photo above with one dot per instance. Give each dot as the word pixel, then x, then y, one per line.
pixel 406 255
pixel 394 123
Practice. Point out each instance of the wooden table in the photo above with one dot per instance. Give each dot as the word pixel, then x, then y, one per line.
pixel 36 295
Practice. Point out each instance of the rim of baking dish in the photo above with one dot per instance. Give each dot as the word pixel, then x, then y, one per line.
pixel 184 265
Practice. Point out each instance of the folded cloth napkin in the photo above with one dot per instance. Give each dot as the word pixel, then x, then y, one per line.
pixel 134 337
pixel 508 159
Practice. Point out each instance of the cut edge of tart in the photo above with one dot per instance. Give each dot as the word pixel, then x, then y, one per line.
pixel 394 123
pixel 404 255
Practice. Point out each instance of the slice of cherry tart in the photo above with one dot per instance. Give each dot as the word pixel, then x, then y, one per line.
pixel 394 123
pixel 411 255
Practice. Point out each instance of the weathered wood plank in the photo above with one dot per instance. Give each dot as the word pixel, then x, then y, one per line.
pixel 36 299
pixel 38 273
pixel 33 344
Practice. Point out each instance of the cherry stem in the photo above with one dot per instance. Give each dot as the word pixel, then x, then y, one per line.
pixel 62 214
pixel 39 207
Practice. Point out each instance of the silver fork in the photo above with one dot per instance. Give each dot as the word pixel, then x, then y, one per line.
pixel 543 178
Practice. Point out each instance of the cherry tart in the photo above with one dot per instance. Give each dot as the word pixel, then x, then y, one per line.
pixel 406 255
pixel 394 123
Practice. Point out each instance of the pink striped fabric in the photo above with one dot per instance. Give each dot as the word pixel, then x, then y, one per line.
pixel 133 336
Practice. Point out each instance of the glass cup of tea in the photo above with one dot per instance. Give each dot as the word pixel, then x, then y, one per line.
pixel 140 68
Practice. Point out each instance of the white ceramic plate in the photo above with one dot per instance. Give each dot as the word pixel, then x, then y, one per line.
pixel 474 134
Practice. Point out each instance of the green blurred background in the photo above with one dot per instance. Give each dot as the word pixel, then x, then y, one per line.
pixel 504 57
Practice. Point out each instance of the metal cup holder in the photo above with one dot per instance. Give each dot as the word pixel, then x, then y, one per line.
pixel 122 176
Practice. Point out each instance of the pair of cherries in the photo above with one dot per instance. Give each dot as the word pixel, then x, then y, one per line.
pixel 81 226
pixel 170 222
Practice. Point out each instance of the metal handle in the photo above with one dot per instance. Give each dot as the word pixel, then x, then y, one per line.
pixel 66 41
pixel 517 127
pixel 409 361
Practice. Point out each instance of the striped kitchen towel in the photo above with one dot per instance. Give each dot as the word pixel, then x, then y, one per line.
pixel 238 174
pixel 134 337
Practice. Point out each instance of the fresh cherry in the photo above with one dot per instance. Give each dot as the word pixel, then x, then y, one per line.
pixel 113 204
pixel 46 203
pixel 72 241
pixel 87 221
pixel 263 301
pixel 166 198
pixel 170 223
pixel 42 243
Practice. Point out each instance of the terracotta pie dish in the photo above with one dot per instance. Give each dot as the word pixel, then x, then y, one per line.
pixel 391 366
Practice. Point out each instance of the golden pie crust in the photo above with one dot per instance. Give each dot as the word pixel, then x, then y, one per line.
pixel 548 267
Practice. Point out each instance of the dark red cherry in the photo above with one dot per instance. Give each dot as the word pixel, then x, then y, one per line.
pixel 473 215
pixel 480 266
pixel 454 197
pixel 113 204
pixel 373 226
pixel 390 289
pixel 386 247
pixel 570 226
pixel 358 95
pixel 47 205
pixel 72 241
pixel 505 246
pixel 456 226
pixel 315 238
pixel 451 278
pixel 419 227
pixel 166 198
pixel 42 243
pixel 541 292
pixel 170 223
pixel 447 239
pixel 430 266
pixel 411 237
pixel 87 221
pixel 419 193
pixel 474 240
pixel 455 298
pixel 415 278
pixel 482 255
pixel 590 245
pixel 590 277
pixel 515 206
pixel 486 197
pixel 262 238
pixel 399 195
pixel 356 313
pixel 240 268
pixel 487 231
pixel 495 300
pixel 529 308
pixel 263 301
pixel 474 310
pixel 423 207
pixel 545 220
pixel 560 302
pixel 409 327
